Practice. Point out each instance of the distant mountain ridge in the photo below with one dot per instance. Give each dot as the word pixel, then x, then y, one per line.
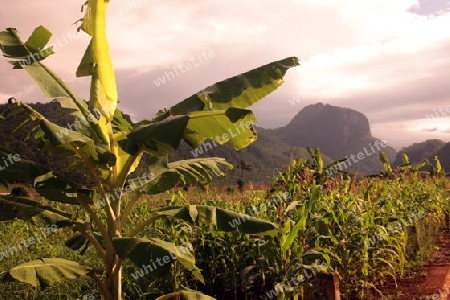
pixel 338 132
pixel 426 150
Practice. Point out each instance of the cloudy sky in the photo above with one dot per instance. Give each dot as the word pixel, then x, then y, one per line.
pixel 387 59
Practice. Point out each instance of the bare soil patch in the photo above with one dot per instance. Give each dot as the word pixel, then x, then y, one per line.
pixel 425 281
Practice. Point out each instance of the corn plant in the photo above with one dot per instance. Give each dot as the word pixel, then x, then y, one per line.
pixel 109 148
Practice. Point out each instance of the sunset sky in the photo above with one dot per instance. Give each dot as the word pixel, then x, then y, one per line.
pixel 387 59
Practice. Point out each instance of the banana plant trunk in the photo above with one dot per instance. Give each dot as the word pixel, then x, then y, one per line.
pixel 115 280
pixel 113 265
pixel 112 286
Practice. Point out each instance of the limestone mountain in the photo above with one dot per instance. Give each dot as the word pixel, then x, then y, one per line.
pixel 339 133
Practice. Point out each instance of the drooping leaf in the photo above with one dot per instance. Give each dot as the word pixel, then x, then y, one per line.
pixel 161 183
pixel 167 175
pixel 199 169
pixel 28 56
pixel 222 219
pixel 33 203
pixel 151 138
pixel 156 254
pixel 46 272
pixel 76 242
pixel 31 211
pixel 67 141
pixel 119 123
pixel 56 188
pixel 185 295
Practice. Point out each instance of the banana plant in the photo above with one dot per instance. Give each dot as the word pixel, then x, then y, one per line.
pixel 108 150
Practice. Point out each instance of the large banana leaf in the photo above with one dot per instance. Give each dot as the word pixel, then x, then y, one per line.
pixel 239 91
pixel 217 112
pixel 222 219
pixel 194 123
pixel 28 56
pixel 150 253
pixel 48 184
pixel 28 210
pixel 46 272
pixel 199 169
pixel 185 295
pixel 167 175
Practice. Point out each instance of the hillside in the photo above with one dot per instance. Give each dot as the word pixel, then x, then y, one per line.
pixel 444 157
pixel 264 156
pixel 426 150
